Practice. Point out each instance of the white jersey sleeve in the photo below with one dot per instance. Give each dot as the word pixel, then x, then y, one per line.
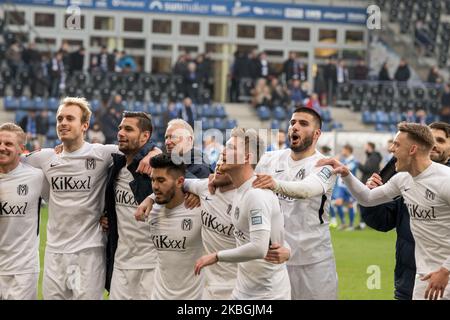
pixel 374 197
pixel 255 249
pixel 39 158
pixel 196 186
pixel 446 196
pixel 313 185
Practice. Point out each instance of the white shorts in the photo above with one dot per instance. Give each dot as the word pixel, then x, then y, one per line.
pixel 421 286
pixel 316 281
pixel 74 276
pixel 217 292
pixel 128 284
pixel 19 286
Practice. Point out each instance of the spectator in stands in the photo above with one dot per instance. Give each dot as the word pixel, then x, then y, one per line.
pixel 126 63
pixel 263 66
pixel 280 141
pixel 254 64
pixel 278 93
pixel 110 123
pixel 370 166
pixel 65 55
pixel 187 111
pixel 422 39
pixel 76 60
pixel 235 76
pixel 212 150
pixel 421 116
pixel 170 113
pixel 360 72
pixel 330 77
pixel 402 74
pixel 445 102
pixel 313 103
pixel 41 78
pixel 434 76
pixel 117 104
pixel 104 61
pixel 180 67
pixel 341 73
pixel 31 57
pixel 35 126
pixel 95 134
pixel 296 94
pixel 383 75
pixel 191 82
pixel 294 69
pixel 204 68
pixel 14 58
pixel 261 94
pixel 57 74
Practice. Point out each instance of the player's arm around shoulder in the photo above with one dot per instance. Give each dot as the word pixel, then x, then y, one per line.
pixel 38 158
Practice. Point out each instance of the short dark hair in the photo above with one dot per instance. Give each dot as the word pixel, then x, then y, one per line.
pixel 312 112
pixel 348 147
pixel 144 120
pixel 164 161
pixel 444 126
pixel 420 134
pixel 372 145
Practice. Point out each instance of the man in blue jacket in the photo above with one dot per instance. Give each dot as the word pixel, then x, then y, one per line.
pixel 392 215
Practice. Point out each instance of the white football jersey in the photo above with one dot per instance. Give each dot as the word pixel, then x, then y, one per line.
pixel 217 230
pixel 306 220
pixel 258 209
pixel 176 235
pixel 134 248
pixel 77 194
pixel 427 197
pixel 20 190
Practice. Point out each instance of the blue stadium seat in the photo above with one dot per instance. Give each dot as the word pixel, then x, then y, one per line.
pixel 275 124
pixel 51 118
pixel 337 125
pixel 39 103
pixel 380 127
pixel 157 122
pixel 19 114
pixel 263 113
pixel 11 103
pixel 326 115
pixel 208 111
pixel 138 106
pixel 279 113
pixel 367 117
pixel 51 134
pixel 219 124
pixel 231 123
pixel 431 118
pixel 25 103
pixel 52 104
pixel 326 126
pixel 220 111
pixel 382 117
pixel 395 117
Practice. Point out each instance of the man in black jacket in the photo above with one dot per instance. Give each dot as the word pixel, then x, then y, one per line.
pixel 392 215
pixel 179 141
pixel 130 255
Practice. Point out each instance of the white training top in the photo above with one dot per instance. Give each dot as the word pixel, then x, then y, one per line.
pixel 254 210
pixel 176 234
pixel 427 197
pixel 217 230
pixel 77 195
pixel 20 190
pixel 308 238
pixel 134 248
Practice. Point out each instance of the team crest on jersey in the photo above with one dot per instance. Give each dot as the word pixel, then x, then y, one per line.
pixel 300 174
pixel 22 190
pixel 429 194
pixel 90 164
pixel 186 224
pixel 229 209
pixel 236 213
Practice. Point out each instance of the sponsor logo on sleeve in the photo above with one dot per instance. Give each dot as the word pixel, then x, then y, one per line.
pixel 256 220
pixel 256 216
pixel 325 174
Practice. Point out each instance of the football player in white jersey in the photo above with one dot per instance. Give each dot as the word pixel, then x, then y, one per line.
pixel 176 234
pixel 20 191
pixel 311 266
pixel 74 263
pixel 426 193
pixel 258 222
pixel 131 257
